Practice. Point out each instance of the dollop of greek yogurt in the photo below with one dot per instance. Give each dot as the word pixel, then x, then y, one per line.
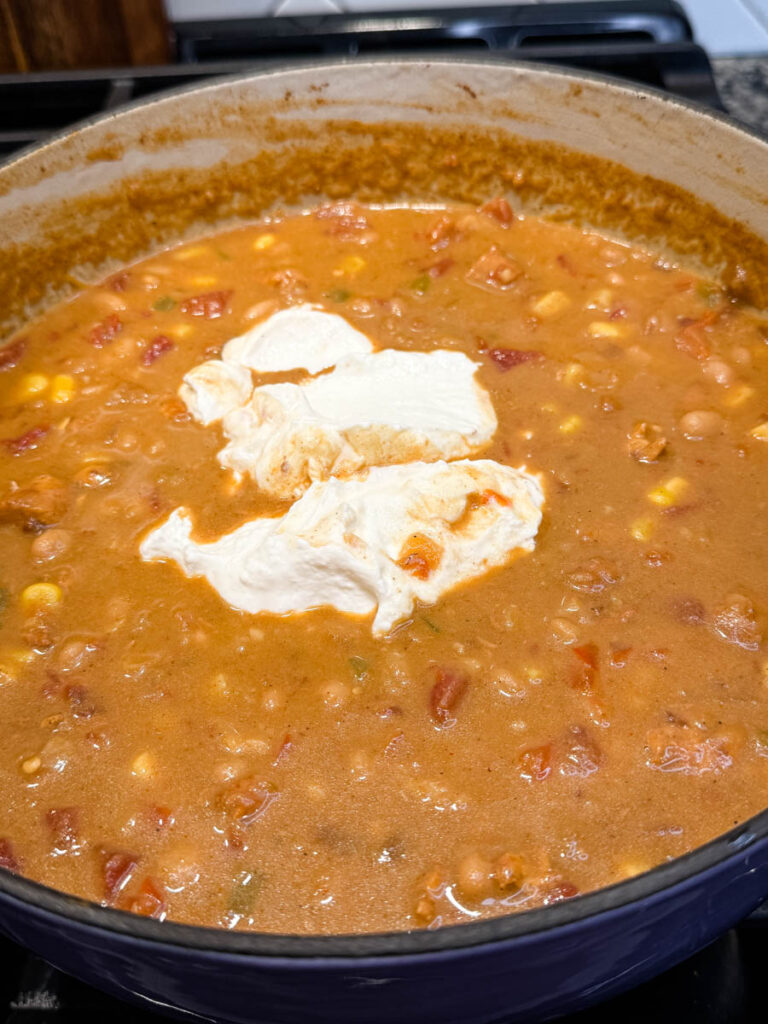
pixel 373 408
pixel 375 542
pixel 300 338
pixel 378 409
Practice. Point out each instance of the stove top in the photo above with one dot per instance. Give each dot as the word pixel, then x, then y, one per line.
pixel 648 41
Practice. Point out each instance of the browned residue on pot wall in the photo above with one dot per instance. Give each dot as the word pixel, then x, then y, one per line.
pixel 87 236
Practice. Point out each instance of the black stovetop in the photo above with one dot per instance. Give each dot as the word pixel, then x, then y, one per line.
pixel 649 41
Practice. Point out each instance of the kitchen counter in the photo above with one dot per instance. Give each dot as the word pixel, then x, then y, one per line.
pixel 743 86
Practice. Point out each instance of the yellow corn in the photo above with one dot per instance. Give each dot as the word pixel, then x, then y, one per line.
pixel 32 385
pixel 667 493
pixel 264 242
pixel 31 765
pixel 350 266
pixel 641 529
pixel 205 281
pixel 192 252
pixel 41 595
pixel 551 304
pixel 738 396
pixel 571 424
pixel 180 330
pixel 601 300
pixel 605 329
pixel 630 868
pixel 144 765
pixel 760 432
pixel 63 388
pixel 572 373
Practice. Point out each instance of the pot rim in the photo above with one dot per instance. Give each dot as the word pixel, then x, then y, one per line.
pixel 731 845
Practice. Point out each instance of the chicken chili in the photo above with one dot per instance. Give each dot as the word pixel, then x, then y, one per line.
pixel 376 569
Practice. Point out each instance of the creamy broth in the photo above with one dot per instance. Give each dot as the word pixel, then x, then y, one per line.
pixel 574 716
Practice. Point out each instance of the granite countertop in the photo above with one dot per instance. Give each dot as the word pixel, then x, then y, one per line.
pixel 743 86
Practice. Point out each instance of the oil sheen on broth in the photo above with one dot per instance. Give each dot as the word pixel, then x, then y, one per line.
pixel 589 703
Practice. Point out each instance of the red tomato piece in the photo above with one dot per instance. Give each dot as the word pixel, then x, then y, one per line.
pixel 155 349
pixel 209 306
pixel 506 358
pixel 446 694
pixel 106 331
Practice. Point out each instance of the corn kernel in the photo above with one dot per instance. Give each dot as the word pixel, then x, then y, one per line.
pixel 31 765
pixel 605 329
pixel 144 765
pixel 738 396
pixel 180 330
pixel 601 300
pixel 63 388
pixel 572 374
pixel 41 595
pixel 760 432
pixel 205 281
pixel 192 252
pixel 641 529
pixel 571 424
pixel 32 385
pixel 631 868
pixel 350 266
pixel 264 242
pixel 551 304
pixel 669 492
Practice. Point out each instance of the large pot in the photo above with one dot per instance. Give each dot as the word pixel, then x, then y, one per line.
pixel 634 163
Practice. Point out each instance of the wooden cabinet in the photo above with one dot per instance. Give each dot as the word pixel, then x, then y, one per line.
pixel 46 35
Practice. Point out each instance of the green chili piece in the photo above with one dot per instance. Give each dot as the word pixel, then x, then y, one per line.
pixel 359 667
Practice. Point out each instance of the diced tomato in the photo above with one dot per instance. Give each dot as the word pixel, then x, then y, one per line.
pixel 117 870
pixel 286 746
pixel 446 694
pixel 620 656
pixel 150 900
pixel 26 442
pixel 106 331
pixel 688 750
pixel 11 354
pixel 440 268
pixel 8 859
pixel 209 306
pixel 535 763
pixel 506 358
pixel 493 271
pixel 442 233
pixel 247 799
pixel 584 679
pixel 63 825
pixel 118 282
pixel 155 349
pixel 160 817
pixel 420 556
pixel 500 210
pixel 555 891
pixel 583 755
